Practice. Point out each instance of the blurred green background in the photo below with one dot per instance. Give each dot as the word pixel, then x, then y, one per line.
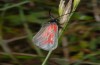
pixel 20 20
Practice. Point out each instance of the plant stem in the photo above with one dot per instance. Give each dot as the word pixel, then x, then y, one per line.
pixel 48 55
pixel 64 9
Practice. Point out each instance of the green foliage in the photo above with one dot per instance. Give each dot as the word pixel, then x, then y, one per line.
pixel 82 33
pixel 34 17
pixel 80 16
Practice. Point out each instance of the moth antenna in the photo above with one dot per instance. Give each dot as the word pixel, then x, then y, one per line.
pixel 64 14
pixel 51 16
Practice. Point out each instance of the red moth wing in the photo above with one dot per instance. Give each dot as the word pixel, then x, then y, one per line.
pixel 47 37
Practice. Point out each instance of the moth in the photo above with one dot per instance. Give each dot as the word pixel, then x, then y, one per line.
pixel 47 37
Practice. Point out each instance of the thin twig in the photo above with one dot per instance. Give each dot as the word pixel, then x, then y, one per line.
pixel 15 5
pixel 55 59
pixel 20 54
pixel 4 46
pixel 75 61
pixel 96 10
pixel 64 46
pixel 15 39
